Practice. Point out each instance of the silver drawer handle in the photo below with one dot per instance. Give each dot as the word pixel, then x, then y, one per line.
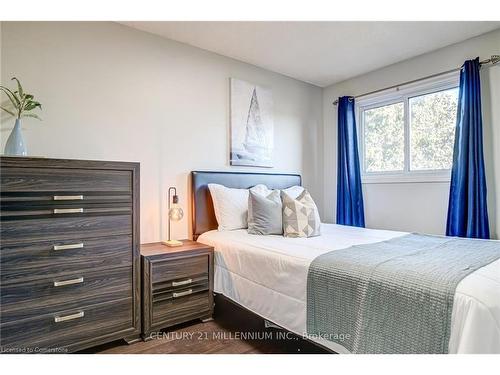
pixel 182 294
pixel 69 282
pixel 59 319
pixel 68 247
pixel 68 210
pixel 183 282
pixel 68 197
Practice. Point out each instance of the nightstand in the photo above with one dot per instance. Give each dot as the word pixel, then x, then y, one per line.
pixel 177 285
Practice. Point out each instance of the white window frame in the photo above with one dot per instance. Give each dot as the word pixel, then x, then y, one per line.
pixel 402 94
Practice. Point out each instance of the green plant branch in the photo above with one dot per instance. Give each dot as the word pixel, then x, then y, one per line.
pixel 22 103
pixel 19 87
pixel 12 97
pixel 9 112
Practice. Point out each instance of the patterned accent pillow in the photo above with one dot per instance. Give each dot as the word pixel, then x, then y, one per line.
pixel 300 216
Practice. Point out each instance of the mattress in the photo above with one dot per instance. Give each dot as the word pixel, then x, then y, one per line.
pixel 268 276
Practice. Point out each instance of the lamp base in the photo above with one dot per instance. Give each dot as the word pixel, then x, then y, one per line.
pixel 172 243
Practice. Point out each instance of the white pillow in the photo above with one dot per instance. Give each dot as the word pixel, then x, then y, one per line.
pixel 230 206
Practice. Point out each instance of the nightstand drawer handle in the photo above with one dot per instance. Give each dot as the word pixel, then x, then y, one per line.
pixel 68 210
pixel 183 282
pixel 68 197
pixel 69 282
pixel 59 319
pixel 68 247
pixel 182 294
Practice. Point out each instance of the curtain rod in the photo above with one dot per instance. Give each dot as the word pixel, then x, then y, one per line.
pixel 494 59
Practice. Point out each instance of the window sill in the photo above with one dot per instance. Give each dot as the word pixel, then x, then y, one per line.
pixel 406 178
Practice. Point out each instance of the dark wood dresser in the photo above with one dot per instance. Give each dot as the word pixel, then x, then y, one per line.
pixel 177 284
pixel 69 254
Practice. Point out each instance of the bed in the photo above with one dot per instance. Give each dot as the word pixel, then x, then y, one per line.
pixel 268 274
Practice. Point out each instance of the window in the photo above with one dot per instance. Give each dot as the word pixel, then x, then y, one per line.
pixel 409 135
pixel 432 129
pixel 384 138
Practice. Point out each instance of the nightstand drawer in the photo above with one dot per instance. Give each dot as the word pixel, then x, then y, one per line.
pixel 180 269
pixel 189 303
pixel 179 284
pixel 165 291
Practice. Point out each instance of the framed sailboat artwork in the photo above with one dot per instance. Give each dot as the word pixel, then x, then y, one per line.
pixel 252 126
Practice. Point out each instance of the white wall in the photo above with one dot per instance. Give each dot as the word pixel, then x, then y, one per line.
pixel 418 206
pixel 114 93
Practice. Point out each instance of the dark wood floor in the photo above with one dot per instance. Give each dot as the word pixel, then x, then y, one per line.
pixel 224 335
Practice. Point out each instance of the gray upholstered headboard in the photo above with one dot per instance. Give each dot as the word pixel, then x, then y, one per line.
pixel 203 210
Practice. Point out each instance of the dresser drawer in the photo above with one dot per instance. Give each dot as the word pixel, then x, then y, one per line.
pixel 181 268
pixel 17 199
pixel 64 228
pixel 62 329
pixel 21 179
pixel 172 310
pixel 25 300
pixel 35 210
pixel 36 205
pixel 41 260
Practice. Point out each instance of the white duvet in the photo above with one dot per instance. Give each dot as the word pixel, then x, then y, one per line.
pixel 268 275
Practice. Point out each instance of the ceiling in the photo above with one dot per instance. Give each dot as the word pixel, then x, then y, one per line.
pixel 321 53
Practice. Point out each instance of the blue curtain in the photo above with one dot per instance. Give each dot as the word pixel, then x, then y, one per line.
pixel 350 209
pixel 467 210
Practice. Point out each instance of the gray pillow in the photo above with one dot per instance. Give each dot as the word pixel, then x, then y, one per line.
pixel 264 213
pixel 300 216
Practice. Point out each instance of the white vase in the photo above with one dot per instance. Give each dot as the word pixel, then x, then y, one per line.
pixel 15 145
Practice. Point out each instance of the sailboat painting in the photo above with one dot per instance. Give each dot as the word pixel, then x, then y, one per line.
pixel 252 127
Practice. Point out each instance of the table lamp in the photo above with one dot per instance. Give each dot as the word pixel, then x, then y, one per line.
pixel 175 213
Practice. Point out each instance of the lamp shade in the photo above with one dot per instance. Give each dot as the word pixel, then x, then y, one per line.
pixel 175 213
